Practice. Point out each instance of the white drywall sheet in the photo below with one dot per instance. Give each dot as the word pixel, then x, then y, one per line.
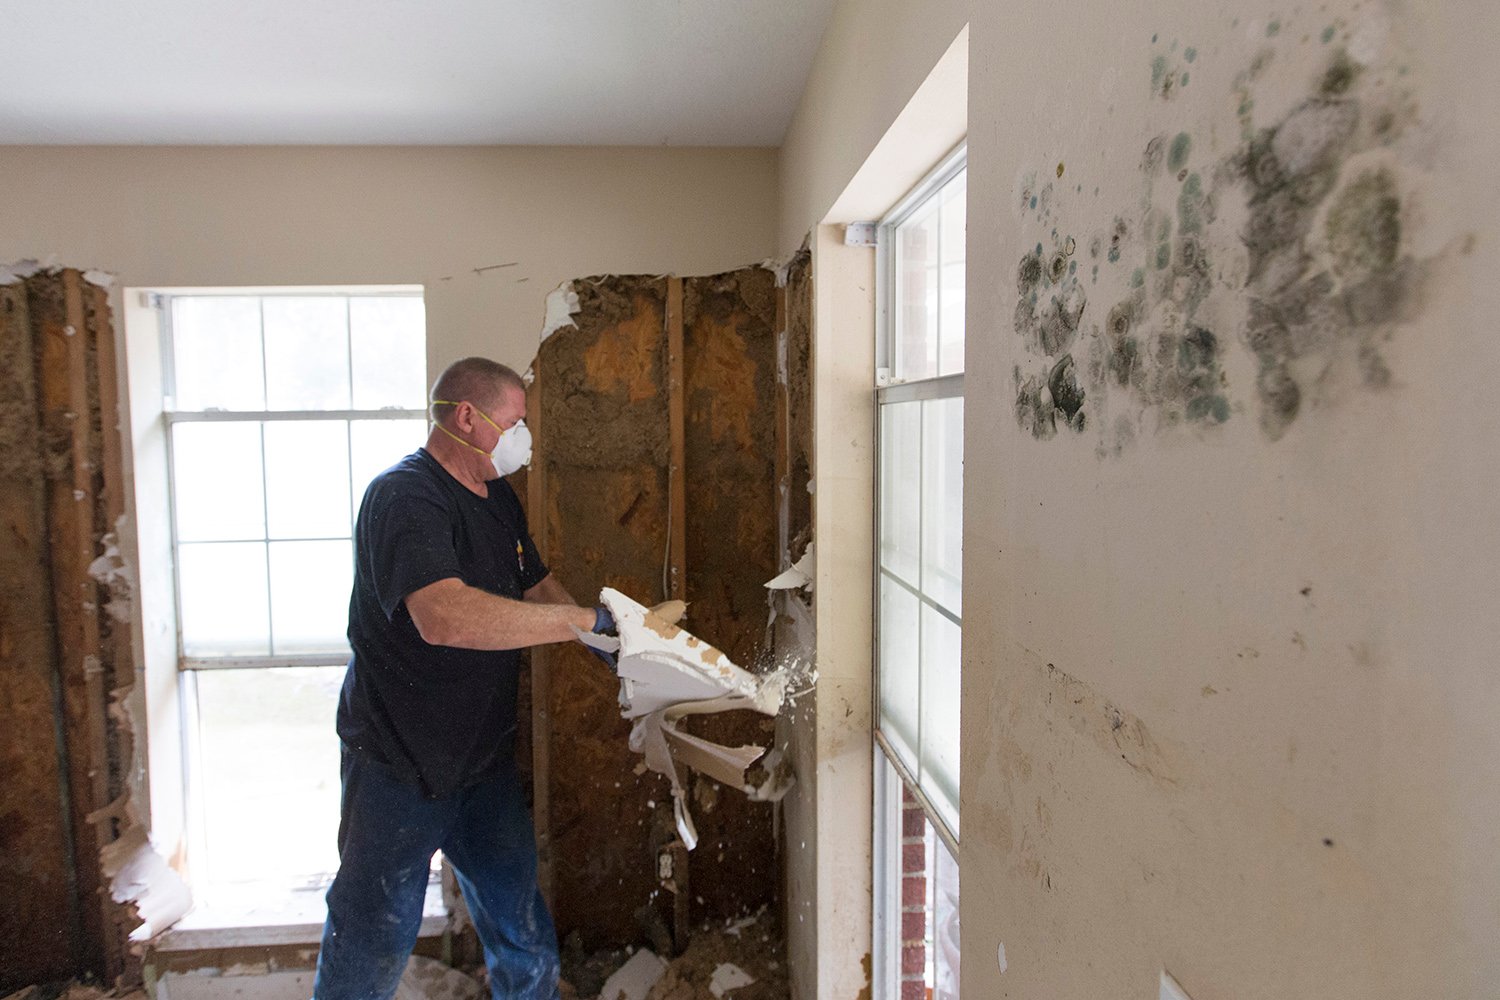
pixel 667 674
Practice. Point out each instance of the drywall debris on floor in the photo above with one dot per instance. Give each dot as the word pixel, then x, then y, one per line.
pixel 738 960
pixel 667 675
pixel 634 979
pixel 429 979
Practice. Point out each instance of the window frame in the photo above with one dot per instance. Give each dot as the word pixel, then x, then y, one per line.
pixel 889 390
pixel 172 416
pixel 186 669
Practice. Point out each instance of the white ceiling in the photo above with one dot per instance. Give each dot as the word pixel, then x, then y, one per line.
pixel 587 72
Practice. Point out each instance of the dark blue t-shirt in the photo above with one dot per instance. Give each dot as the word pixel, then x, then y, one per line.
pixel 442 717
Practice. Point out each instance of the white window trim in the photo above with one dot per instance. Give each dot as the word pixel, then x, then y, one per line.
pixel 890 390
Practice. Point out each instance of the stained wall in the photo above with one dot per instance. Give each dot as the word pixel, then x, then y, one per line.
pixel 1229 553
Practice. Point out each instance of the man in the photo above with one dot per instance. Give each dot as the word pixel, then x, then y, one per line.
pixel 448 588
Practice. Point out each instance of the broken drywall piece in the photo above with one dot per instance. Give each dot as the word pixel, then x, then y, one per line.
pixel 429 979
pixel 800 574
pixel 137 875
pixel 728 976
pixel 562 303
pixel 667 674
pixel 19 271
pixel 103 279
pixel 634 979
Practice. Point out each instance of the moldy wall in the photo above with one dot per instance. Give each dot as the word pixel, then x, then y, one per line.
pixel 1229 693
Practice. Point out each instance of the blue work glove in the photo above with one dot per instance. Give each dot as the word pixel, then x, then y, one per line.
pixel 604 624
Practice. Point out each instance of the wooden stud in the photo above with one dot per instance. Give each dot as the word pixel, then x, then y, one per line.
pixel 541 673
pixel 783 433
pixel 677 472
pixel 63 402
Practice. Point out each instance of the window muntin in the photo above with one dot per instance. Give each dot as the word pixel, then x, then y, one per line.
pixel 269 461
pixel 279 410
pixel 919 557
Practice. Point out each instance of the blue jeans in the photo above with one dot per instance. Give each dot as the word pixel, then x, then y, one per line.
pixel 388 832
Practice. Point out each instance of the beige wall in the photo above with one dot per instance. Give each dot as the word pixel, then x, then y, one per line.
pixel 376 215
pixel 1230 694
pixel 873 57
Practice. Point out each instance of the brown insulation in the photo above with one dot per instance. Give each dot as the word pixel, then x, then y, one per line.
pixel 603 442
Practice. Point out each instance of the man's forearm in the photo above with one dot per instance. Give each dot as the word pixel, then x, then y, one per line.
pixel 450 613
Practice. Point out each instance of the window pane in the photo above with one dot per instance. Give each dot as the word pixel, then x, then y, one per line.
pixel 916 295
pixel 951 332
pixel 224 604
pixel 899 668
pixel 943 502
pixel 941 642
pixel 307 353
pixel 376 445
pixel 310 585
pixel 270 772
pixel 218 492
pixel 389 348
pixel 900 489
pixel 307 479
pixel 216 353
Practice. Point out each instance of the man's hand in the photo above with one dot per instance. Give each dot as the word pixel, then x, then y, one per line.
pixel 604 624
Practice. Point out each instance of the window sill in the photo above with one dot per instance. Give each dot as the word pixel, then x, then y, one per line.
pixel 294 918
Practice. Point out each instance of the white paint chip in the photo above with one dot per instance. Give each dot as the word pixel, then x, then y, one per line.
pixel 728 977
pixel 562 303
pixel 634 979
pixel 1170 989
pixel 1003 965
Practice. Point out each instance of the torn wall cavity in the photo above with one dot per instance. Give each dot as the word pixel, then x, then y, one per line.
pixel 601 488
pixel 65 719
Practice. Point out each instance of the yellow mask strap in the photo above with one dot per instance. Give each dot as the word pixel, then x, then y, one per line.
pixel 439 426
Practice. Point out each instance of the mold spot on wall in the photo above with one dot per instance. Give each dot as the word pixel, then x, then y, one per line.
pixel 1177 156
pixel 1309 270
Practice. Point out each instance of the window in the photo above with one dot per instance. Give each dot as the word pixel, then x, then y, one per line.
pixel 279 409
pixel 919 574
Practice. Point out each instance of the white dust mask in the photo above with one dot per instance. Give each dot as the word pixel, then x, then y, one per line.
pixel 513 450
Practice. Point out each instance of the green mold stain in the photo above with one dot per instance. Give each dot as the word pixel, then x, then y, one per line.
pixel 1215 408
pixel 1163 256
pixel 1158 72
pixel 1190 205
pixel 1137 277
pixel 1273 29
pixel 1328 34
pixel 1177 155
pixel 1184 79
pixel 1190 54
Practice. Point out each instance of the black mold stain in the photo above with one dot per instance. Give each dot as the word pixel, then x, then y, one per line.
pixel 1028 274
pixel 1312 299
pixel 1050 302
pixel 1364 226
pixel 1067 395
pixel 1152 156
pixel 1340 75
